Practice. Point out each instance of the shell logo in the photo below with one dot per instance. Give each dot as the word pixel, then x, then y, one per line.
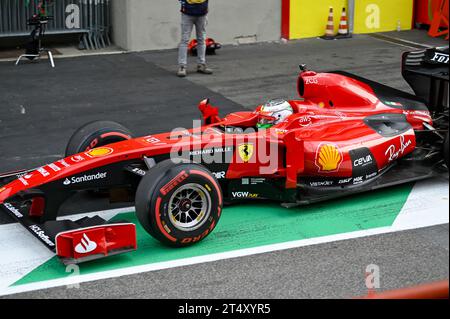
pixel 100 152
pixel 2 189
pixel 328 158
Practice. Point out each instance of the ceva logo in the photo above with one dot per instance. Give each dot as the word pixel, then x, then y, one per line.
pixel 85 246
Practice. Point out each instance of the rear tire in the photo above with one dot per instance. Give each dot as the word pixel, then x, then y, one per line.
pixel 178 204
pixel 96 134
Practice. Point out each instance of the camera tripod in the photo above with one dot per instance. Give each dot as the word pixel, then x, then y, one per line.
pixel 34 48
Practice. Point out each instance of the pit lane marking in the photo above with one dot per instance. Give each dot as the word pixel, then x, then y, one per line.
pixel 430 213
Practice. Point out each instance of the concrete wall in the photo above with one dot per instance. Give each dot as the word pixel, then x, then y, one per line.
pixel 119 16
pixel 154 24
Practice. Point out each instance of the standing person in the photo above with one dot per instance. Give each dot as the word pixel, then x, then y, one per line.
pixel 193 12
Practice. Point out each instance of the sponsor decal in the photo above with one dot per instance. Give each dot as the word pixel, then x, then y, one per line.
pixel 154 140
pixel 219 175
pixel 174 182
pixel 100 152
pixel 328 158
pixel 305 121
pixel 43 172
pixel 345 181
pixel 54 167
pixel 23 181
pixel 77 158
pixel 13 210
pixel 417 113
pixel 41 234
pixel 253 181
pixel 25 175
pixel 363 164
pixel 2 189
pixel 139 171
pixel 246 152
pixel 257 180
pixel 440 58
pixel 311 80
pixel 340 115
pixel 244 195
pixel 394 153
pixel 371 175
pixel 363 161
pixel 86 245
pixel 279 131
pixel 358 180
pixel 63 163
pixel 206 151
pixel 84 178
pixel 321 183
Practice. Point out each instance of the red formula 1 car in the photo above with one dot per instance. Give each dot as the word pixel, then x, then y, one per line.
pixel 347 135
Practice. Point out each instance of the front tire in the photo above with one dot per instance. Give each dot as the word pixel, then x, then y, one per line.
pixel 179 204
pixel 96 134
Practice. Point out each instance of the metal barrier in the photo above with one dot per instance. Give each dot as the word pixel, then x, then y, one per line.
pixel 90 18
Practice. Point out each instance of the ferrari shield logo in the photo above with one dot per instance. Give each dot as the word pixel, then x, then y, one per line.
pixel 328 158
pixel 246 152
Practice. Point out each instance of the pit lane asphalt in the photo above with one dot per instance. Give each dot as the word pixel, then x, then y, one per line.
pixel 139 90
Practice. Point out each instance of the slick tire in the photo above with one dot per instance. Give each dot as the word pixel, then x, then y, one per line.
pixel 446 149
pixel 96 134
pixel 178 204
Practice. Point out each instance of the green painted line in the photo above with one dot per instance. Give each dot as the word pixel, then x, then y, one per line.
pixel 249 226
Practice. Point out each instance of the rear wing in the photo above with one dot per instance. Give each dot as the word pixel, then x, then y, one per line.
pixel 427 73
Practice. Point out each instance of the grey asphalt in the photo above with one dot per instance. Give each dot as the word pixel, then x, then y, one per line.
pixel 139 88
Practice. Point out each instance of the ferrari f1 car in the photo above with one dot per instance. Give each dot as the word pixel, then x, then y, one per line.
pixel 346 135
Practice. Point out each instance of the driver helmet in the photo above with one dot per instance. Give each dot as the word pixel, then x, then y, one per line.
pixel 274 112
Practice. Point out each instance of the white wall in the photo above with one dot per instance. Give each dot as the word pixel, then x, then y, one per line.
pixel 154 24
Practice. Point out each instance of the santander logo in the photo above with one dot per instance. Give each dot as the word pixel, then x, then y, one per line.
pixel 85 246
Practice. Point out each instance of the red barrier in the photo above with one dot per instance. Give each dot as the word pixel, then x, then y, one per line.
pixel 439 24
pixel 436 290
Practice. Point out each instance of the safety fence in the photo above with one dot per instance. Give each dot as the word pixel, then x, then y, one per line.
pixel 89 18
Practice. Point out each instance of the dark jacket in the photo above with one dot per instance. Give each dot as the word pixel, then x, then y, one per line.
pixel 194 7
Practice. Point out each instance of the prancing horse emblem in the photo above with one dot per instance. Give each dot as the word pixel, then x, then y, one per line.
pixel 246 152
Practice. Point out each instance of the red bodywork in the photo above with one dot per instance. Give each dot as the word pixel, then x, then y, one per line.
pixel 299 138
pixel 315 142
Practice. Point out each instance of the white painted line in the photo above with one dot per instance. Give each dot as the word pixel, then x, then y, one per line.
pixel 395 43
pixel 411 42
pixel 67 56
pixel 423 195
pixel 429 200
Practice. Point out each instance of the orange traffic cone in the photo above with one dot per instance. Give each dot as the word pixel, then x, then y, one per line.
pixel 440 16
pixel 343 26
pixel 329 31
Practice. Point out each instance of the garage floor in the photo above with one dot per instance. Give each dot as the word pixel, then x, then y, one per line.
pixel 41 107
